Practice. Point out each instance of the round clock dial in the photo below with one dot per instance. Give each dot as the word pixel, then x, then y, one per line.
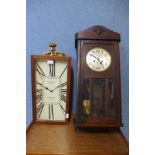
pixel 98 59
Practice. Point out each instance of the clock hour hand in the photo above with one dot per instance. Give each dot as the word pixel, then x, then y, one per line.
pixel 47 88
pixel 101 62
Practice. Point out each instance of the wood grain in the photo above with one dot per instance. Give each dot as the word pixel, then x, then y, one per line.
pixel 44 139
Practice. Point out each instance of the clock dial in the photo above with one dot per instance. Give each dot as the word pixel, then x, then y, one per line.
pixel 98 59
pixel 51 90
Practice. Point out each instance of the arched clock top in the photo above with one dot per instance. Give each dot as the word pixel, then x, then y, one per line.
pixel 97 32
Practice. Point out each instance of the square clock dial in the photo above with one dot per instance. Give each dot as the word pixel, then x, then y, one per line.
pixel 51 88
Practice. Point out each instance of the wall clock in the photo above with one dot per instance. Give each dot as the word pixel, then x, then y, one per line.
pixel 98 78
pixel 51 77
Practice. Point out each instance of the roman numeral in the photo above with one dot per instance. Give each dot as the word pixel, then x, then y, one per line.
pixel 39 109
pixel 51 113
pixel 52 69
pixel 63 110
pixel 40 71
pixel 63 91
pixel 49 109
pixel 40 84
pixel 63 97
pixel 63 84
pixel 38 90
pixel 63 71
pixel 38 97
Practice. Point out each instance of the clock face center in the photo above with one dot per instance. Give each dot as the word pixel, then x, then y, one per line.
pixel 98 59
pixel 51 90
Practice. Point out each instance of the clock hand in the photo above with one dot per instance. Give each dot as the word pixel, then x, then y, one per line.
pixel 50 90
pixel 101 62
pixel 97 59
pixel 63 71
pixel 47 88
pixel 61 85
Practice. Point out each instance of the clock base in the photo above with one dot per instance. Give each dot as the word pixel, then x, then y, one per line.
pixel 97 124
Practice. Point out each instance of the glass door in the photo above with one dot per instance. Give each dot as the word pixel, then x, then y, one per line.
pixel 98 100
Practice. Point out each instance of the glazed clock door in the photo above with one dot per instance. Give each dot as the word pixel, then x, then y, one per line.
pixel 98 99
pixel 51 89
pixel 99 92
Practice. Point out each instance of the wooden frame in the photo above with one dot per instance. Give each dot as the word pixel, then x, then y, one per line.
pixel 34 59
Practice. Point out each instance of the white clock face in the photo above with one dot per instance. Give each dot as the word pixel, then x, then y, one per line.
pixel 98 59
pixel 51 89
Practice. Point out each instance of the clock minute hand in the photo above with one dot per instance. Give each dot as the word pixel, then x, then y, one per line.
pixel 54 89
pixel 61 85
pixel 50 90
pixel 97 59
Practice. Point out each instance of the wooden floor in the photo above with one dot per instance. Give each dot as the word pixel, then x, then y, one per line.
pixel 67 140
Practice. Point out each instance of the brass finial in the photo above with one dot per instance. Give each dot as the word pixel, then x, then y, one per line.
pixel 52 47
pixel 52 52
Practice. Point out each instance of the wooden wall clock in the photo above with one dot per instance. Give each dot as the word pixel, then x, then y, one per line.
pixel 98 78
pixel 51 78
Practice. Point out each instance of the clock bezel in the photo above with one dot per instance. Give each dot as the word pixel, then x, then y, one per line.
pixel 34 59
pixel 101 48
pixel 87 45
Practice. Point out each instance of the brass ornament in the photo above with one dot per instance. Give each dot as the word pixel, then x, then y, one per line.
pixel 86 106
pixel 52 52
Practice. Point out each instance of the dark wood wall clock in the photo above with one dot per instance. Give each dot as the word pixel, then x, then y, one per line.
pixel 98 78
pixel 51 77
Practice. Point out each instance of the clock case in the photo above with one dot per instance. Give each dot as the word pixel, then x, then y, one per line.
pixel 98 36
pixel 34 59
